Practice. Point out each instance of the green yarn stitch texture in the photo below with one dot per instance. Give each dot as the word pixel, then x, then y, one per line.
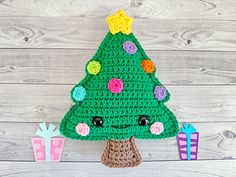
pixel 124 108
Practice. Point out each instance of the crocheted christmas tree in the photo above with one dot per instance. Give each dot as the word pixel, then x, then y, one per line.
pixel 120 98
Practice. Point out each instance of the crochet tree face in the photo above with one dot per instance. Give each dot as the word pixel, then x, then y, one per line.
pixel 120 97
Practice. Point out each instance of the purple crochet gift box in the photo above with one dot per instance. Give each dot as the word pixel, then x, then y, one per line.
pixel 188 142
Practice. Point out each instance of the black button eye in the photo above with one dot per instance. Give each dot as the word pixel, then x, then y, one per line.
pixel 143 120
pixel 97 121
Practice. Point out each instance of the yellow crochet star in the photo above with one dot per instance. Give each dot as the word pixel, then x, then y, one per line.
pixel 119 22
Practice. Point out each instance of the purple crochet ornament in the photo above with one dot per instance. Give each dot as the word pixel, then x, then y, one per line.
pixel 160 93
pixel 130 47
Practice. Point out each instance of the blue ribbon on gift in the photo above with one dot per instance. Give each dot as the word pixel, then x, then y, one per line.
pixel 47 134
pixel 188 129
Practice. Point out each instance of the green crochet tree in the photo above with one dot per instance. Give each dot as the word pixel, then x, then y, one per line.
pixel 120 98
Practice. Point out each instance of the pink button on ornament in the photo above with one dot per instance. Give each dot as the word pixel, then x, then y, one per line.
pixel 82 129
pixel 115 85
pixel 157 128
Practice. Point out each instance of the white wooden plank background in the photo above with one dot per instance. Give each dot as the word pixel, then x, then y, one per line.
pixel 157 169
pixel 51 102
pixel 87 33
pixel 217 142
pixel 44 46
pixel 161 9
pixel 62 66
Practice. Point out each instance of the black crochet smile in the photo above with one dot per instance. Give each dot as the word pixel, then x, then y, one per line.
pixel 120 126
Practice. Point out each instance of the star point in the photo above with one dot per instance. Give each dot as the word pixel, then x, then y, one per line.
pixel 119 22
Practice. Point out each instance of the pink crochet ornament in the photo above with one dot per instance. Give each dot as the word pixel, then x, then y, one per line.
pixel 157 128
pixel 82 129
pixel 115 85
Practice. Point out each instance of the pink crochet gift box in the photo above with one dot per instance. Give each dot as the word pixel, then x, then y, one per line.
pixel 47 147
pixel 55 151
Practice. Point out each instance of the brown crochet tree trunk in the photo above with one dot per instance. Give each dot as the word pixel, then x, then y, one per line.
pixel 120 154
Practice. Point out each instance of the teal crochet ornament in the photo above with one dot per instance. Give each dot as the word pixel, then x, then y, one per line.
pixel 120 98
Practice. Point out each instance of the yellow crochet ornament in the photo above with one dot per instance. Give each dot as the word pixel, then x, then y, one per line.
pixel 94 67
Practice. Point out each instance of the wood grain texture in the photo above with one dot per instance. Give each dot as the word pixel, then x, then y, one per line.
pixel 61 66
pixel 217 141
pixel 161 9
pixel 45 45
pixel 35 103
pixel 87 33
pixel 216 168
